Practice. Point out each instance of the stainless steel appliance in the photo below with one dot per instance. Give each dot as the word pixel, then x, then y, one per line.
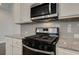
pixel 44 42
pixel 43 11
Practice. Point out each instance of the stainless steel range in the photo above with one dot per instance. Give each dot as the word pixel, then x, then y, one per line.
pixel 44 42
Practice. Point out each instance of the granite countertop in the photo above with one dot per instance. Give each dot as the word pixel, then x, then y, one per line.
pixel 70 44
pixel 2 40
pixel 18 36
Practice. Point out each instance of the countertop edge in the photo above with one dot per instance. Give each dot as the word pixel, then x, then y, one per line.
pixel 68 48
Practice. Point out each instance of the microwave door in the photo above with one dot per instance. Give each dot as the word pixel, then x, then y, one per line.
pixel 40 10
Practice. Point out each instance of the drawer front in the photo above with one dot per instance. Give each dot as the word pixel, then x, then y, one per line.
pixel 8 46
pixel 17 47
pixel 2 49
pixel 17 50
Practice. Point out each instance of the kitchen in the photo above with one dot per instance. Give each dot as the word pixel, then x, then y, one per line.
pixel 20 24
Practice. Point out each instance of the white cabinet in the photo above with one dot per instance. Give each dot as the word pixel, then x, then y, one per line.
pixel 21 12
pixel 25 12
pixel 17 47
pixel 8 46
pixel 62 51
pixel 16 13
pixel 68 10
pixel 13 46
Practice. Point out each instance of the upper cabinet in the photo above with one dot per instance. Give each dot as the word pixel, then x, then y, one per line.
pixel 21 12
pixel 68 10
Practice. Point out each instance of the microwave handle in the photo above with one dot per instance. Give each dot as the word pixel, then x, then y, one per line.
pixel 50 8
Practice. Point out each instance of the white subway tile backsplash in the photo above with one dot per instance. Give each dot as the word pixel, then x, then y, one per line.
pixel 78 25
pixel 76 35
pixel 68 30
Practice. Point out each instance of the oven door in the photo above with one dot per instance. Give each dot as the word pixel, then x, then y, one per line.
pixel 31 51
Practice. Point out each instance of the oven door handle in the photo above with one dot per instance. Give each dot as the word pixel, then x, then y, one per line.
pixel 36 50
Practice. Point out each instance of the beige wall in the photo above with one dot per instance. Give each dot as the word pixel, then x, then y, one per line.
pixel 7 25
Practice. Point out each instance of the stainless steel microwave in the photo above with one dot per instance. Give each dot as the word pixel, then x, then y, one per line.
pixel 44 11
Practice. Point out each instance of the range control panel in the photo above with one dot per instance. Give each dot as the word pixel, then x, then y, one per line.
pixel 54 30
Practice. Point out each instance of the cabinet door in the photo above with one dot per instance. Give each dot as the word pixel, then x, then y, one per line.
pixel 16 13
pixel 68 10
pixel 25 12
pixel 17 47
pixel 2 49
pixel 62 51
pixel 8 46
pixel 21 12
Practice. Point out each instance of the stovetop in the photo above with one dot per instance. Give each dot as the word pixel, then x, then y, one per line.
pixel 44 38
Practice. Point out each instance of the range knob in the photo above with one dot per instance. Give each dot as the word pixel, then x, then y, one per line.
pixel 41 47
pixel 29 44
pixel 45 47
pixel 49 48
pixel 33 44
